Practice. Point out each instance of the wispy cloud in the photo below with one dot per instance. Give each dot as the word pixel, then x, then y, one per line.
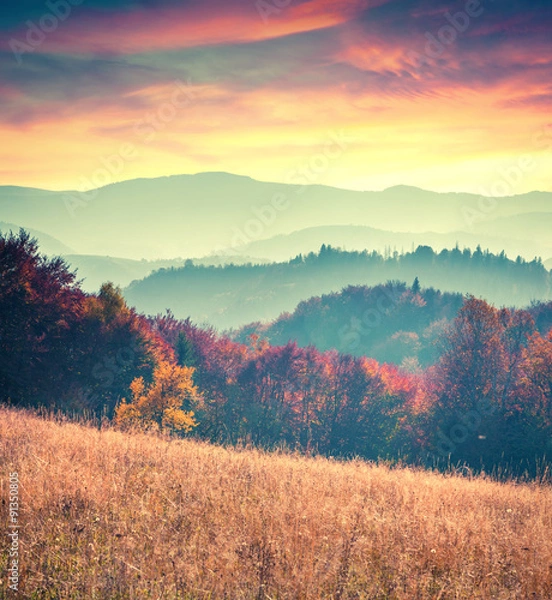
pixel 270 85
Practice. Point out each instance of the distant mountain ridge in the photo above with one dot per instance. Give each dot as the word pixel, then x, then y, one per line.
pixel 211 213
pixel 93 270
pixel 233 296
pixel 48 244
pixel 355 237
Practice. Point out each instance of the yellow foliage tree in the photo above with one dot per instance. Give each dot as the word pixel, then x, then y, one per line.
pixel 163 404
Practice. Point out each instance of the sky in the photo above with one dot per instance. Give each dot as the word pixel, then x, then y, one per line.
pixel 443 95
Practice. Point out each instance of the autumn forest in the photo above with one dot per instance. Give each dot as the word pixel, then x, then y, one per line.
pixel 476 392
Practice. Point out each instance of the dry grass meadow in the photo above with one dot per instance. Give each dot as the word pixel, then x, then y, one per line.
pixel 128 516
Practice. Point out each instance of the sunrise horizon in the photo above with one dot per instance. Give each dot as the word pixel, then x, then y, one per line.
pixel 359 95
pixel 337 186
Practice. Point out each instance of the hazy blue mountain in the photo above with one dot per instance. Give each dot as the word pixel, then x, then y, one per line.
pixel 195 215
pixel 233 296
pixel 95 270
pixel 352 237
pixel 48 244
pixel 536 226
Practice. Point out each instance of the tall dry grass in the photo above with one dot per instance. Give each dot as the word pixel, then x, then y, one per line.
pixel 112 515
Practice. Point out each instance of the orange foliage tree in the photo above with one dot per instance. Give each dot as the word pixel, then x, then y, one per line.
pixel 164 405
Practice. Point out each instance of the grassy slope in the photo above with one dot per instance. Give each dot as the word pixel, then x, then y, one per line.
pixel 113 515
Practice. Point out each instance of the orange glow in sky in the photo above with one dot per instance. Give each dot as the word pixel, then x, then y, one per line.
pixel 254 89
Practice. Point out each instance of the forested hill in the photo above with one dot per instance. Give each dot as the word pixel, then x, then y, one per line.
pixel 232 296
pixel 393 323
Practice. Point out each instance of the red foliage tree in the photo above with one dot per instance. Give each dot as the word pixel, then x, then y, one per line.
pixel 40 307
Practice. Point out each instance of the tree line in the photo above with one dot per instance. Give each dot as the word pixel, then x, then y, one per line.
pixel 232 296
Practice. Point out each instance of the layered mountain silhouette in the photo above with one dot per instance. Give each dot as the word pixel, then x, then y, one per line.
pixel 353 237
pixel 232 296
pixel 47 243
pixel 94 270
pixel 218 213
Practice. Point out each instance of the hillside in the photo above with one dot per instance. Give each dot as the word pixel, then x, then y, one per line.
pixel 390 323
pixel 233 296
pixel 94 270
pixel 112 515
pixel 48 244
pixel 516 228
pixel 386 322
pixel 195 215
pixel 355 237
